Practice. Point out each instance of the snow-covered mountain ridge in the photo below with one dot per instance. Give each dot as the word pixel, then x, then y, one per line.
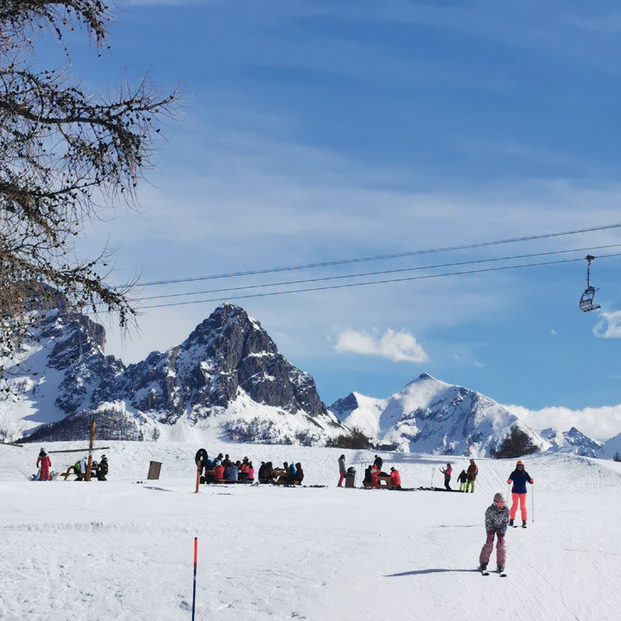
pixel 430 416
pixel 229 376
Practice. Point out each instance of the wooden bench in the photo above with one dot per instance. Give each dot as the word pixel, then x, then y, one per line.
pixel 223 481
pixel 79 476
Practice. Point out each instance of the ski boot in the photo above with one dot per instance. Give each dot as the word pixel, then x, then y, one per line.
pixel 523 523
pixel 510 522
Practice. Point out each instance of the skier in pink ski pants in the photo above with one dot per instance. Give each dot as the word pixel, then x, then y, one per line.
pixel 496 522
pixel 519 477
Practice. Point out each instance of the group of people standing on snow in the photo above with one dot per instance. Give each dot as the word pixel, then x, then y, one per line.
pixel 466 478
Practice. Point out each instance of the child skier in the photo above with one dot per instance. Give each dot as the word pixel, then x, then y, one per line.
pixel 496 522
pixel 463 479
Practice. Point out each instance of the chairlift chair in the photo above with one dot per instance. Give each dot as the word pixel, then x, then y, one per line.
pixel 586 300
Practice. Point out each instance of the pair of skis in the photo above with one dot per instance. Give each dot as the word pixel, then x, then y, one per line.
pixel 484 572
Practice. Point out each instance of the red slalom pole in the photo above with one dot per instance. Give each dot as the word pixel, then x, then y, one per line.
pixel 194 590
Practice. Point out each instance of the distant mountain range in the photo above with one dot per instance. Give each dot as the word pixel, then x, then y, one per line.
pixel 430 416
pixel 228 376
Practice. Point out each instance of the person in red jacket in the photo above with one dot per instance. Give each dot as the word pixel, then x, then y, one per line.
pixel 395 479
pixel 374 474
pixel 218 472
pixel 44 463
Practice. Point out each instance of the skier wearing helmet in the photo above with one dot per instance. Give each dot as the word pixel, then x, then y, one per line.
pixel 519 477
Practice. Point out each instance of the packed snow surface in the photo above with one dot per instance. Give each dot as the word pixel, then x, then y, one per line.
pixel 124 549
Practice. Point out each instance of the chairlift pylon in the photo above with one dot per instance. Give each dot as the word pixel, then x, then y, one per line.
pixel 586 300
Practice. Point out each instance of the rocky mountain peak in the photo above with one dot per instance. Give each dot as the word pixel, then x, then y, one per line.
pixel 344 406
pixel 571 441
pixel 227 364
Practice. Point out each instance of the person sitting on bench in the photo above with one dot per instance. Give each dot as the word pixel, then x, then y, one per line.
pixel 102 469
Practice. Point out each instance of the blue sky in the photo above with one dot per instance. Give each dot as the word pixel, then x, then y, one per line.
pixel 321 131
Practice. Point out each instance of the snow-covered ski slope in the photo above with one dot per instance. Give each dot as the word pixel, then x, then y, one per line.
pixel 123 550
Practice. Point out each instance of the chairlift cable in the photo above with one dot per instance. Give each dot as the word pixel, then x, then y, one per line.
pixel 372 282
pixel 378 257
pixel 365 274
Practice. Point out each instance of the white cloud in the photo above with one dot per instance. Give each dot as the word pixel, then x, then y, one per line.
pixel 609 326
pixel 396 346
pixel 598 423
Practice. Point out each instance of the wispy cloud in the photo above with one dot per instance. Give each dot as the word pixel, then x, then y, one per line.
pixel 396 346
pixel 609 326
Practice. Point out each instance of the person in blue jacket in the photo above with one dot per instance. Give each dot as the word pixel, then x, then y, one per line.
pixel 519 477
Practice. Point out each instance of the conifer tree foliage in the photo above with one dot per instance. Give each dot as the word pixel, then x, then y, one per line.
pixel 65 154
pixel 356 439
pixel 516 444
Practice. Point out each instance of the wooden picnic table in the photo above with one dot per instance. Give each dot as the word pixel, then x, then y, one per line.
pixel 79 476
pixel 383 480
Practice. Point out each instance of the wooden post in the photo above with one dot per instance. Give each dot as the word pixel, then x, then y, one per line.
pixel 201 460
pixel 199 468
pixel 91 441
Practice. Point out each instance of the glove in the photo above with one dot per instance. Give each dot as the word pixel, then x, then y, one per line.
pixel 531 481
pixel 509 482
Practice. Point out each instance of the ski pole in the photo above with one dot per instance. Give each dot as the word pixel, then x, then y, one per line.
pixel 433 471
pixel 194 588
pixel 532 501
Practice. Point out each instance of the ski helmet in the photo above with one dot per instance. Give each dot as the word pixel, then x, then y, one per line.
pixel 498 497
pixel 520 463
